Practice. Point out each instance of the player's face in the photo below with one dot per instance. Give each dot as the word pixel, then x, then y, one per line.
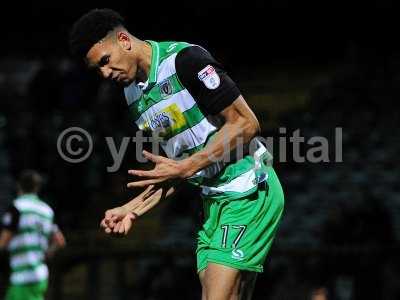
pixel 113 60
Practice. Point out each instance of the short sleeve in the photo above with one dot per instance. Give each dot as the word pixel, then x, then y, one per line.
pixel 205 79
pixel 10 219
pixel 55 228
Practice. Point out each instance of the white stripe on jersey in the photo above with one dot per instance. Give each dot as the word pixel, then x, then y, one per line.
pixel 182 100
pixel 24 204
pixel 30 221
pixel 132 93
pixel 240 184
pixel 166 68
pixel 244 182
pixel 38 274
pixel 188 139
pixel 27 258
pixel 28 240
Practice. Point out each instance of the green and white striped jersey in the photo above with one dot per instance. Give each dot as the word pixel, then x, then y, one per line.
pixel 33 226
pixel 185 88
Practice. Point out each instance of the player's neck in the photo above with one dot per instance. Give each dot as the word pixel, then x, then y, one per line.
pixel 144 61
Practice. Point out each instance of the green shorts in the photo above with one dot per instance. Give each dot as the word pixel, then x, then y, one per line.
pixel 34 291
pixel 239 233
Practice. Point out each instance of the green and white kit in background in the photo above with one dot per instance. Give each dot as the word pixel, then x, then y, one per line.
pixel 33 227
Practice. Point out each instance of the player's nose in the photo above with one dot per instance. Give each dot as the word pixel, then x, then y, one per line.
pixel 105 72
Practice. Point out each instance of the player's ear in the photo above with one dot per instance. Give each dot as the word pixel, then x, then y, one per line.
pixel 124 40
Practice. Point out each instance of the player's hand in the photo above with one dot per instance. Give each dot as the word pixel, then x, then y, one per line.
pixel 124 225
pixel 165 169
pixel 113 218
pixel 120 219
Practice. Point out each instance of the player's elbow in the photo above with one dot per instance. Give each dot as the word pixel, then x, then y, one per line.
pixel 61 244
pixel 251 127
pixel 59 240
pixel 256 127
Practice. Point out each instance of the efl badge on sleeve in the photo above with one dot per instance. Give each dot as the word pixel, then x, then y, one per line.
pixel 209 77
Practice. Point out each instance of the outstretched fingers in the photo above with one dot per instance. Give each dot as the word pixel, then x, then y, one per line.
pixel 143 183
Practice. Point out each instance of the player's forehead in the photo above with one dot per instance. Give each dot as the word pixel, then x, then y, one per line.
pixel 98 50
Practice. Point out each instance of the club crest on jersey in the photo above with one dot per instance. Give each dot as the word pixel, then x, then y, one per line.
pixel 166 88
pixel 209 77
pixel 260 178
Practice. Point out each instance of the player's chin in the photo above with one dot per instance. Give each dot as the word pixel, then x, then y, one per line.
pixel 122 83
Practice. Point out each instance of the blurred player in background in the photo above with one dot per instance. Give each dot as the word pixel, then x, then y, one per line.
pixel 29 234
pixel 173 88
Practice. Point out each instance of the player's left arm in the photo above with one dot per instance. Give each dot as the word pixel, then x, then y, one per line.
pixel 216 94
pixel 240 125
pixel 57 241
pixel 9 224
pixel 5 238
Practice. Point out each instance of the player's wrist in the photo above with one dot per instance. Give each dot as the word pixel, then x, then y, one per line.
pixel 126 209
pixel 187 168
pixel 131 210
pixel 134 215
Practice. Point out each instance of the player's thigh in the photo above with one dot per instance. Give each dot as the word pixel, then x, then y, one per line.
pixel 220 282
pixel 226 283
pixel 202 275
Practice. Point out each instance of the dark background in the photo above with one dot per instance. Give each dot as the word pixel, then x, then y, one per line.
pixel 311 66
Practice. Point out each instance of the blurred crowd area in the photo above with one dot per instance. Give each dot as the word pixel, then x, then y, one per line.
pixel 341 228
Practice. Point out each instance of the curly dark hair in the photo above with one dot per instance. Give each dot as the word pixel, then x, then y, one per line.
pixel 91 28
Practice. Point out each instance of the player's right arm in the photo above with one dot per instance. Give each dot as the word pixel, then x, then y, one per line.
pixel 5 238
pixel 9 222
pixel 119 220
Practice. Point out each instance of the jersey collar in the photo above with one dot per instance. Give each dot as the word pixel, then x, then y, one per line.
pixel 155 60
pixel 31 196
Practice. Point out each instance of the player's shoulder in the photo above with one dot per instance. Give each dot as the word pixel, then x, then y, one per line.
pixel 47 207
pixel 33 204
pixel 168 48
pixel 193 54
pixel 194 63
